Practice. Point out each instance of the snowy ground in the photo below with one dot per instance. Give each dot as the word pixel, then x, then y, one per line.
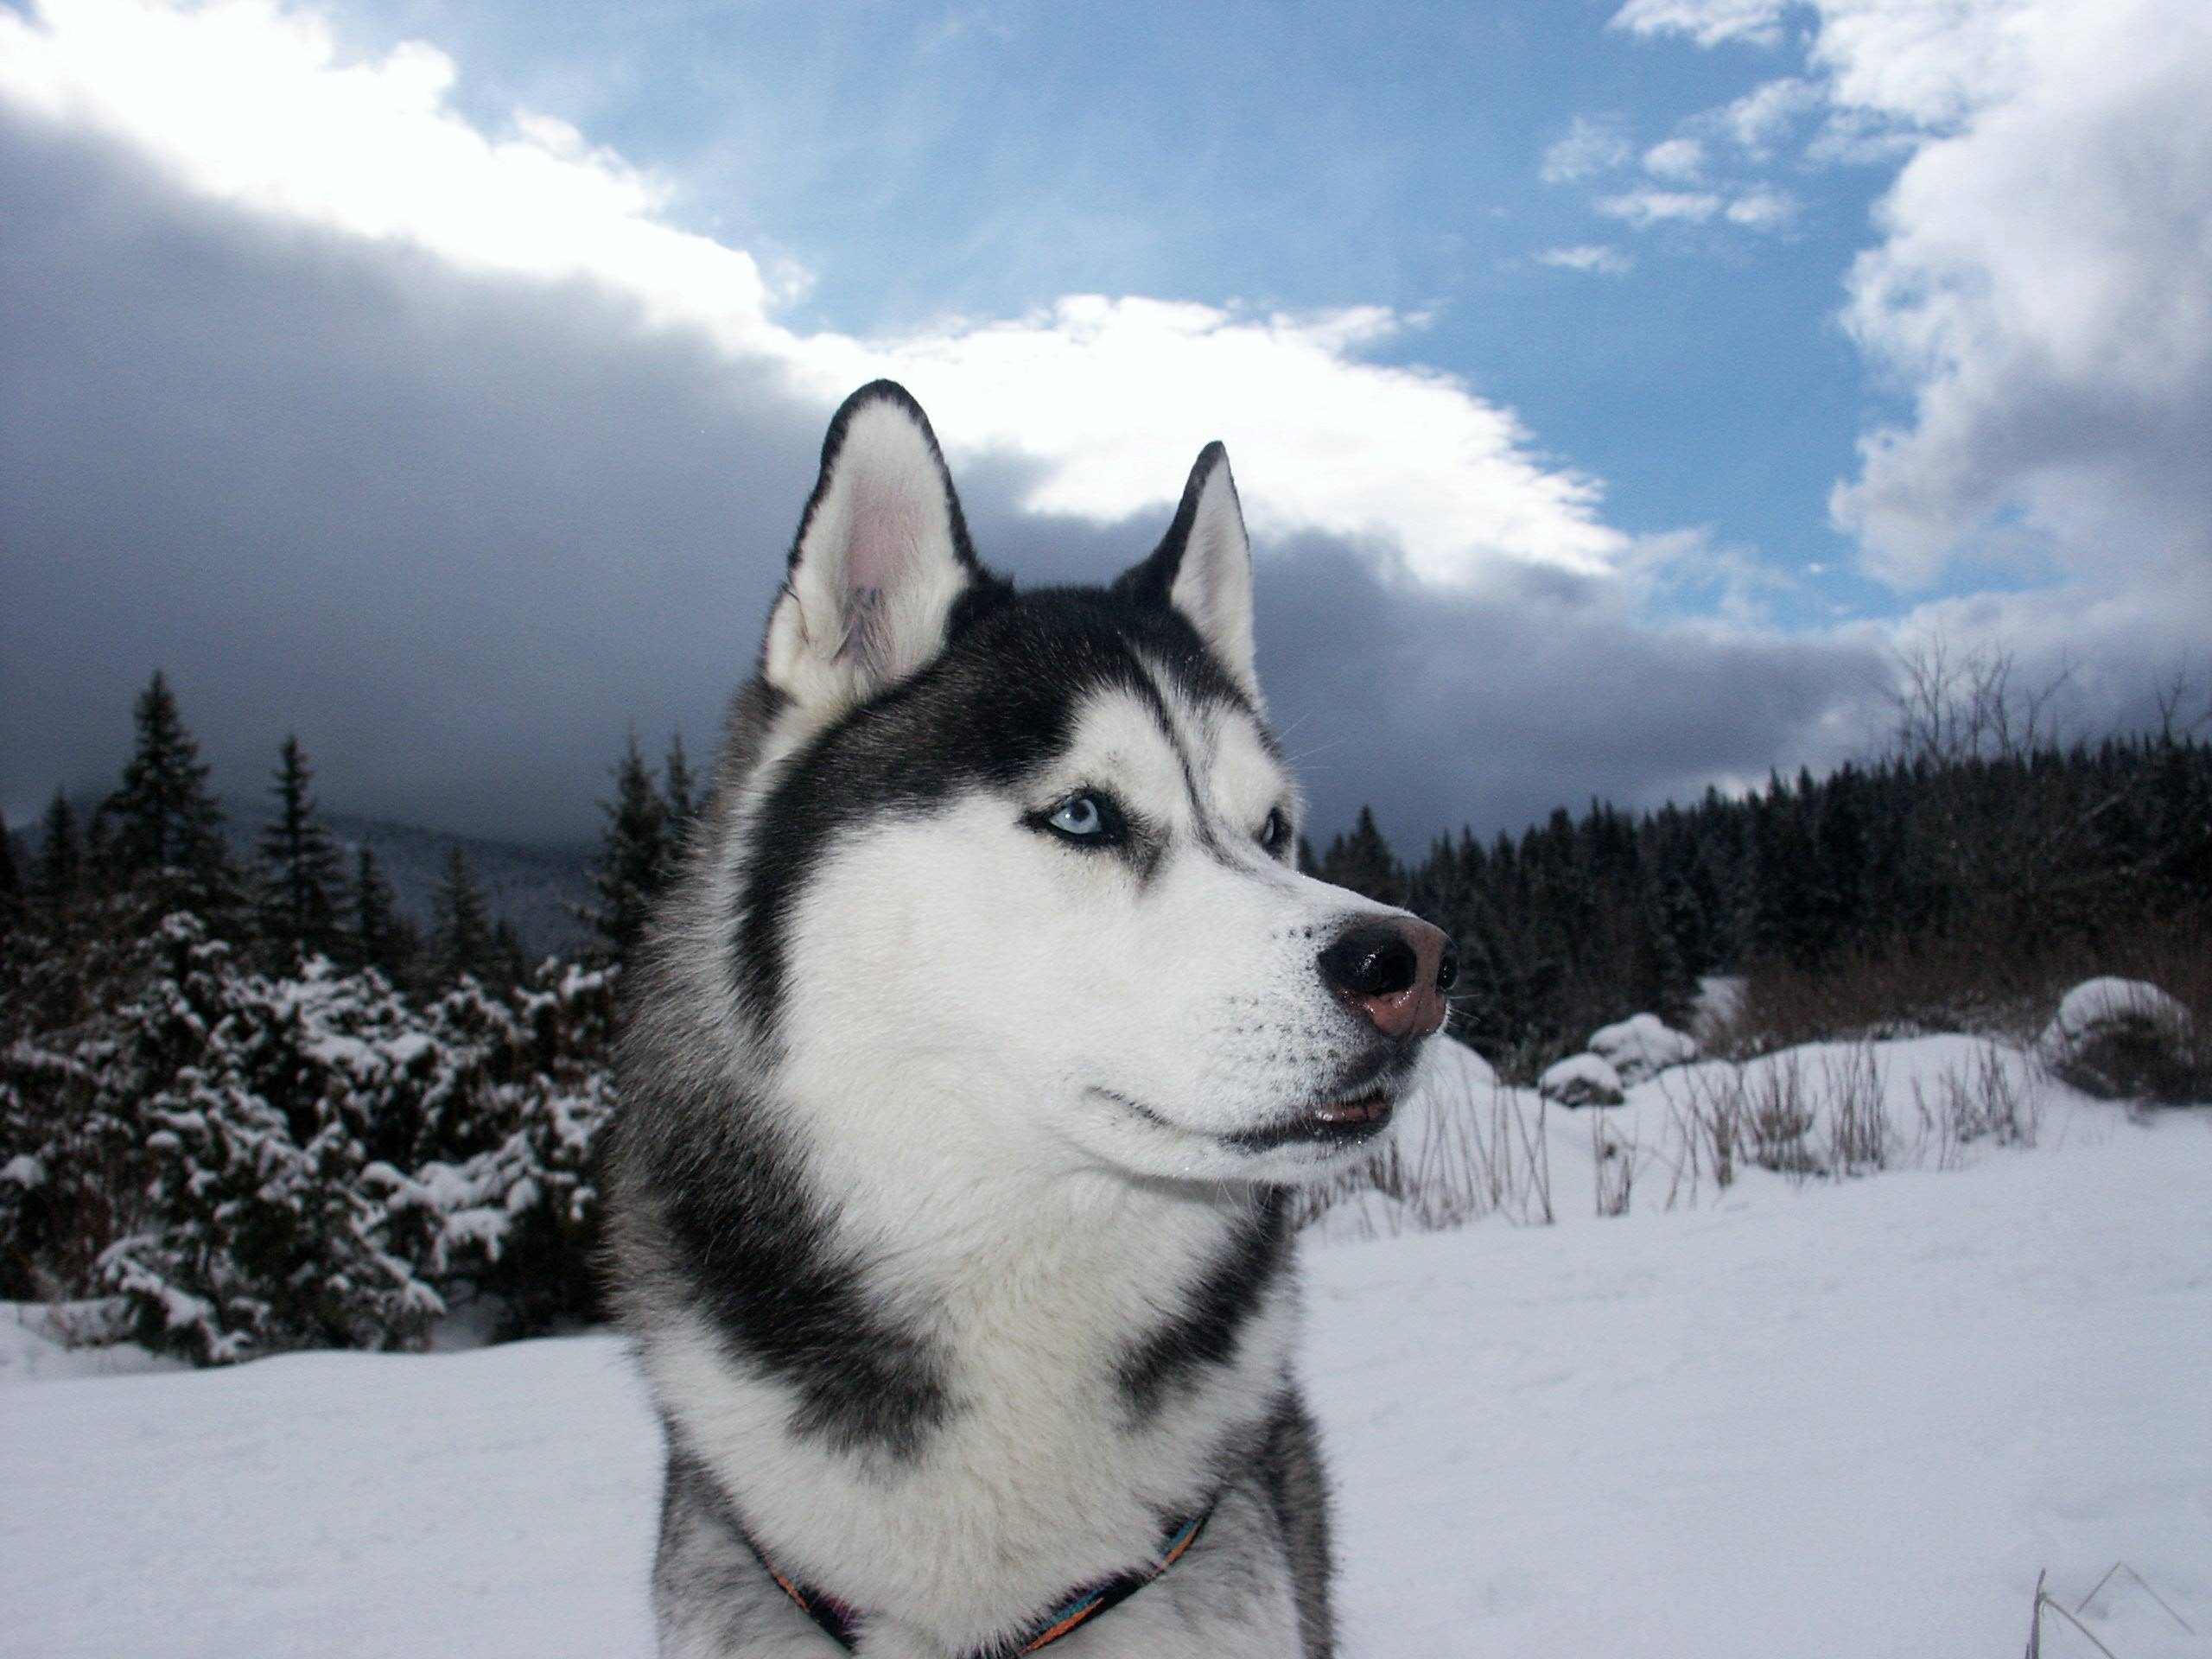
pixel 1846 1417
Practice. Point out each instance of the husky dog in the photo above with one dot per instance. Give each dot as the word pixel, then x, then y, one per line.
pixel 966 1072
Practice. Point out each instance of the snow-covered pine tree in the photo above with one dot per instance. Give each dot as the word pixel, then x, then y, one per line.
pixel 259 1232
pixel 299 915
pixel 167 827
pixel 633 859
pixel 519 1092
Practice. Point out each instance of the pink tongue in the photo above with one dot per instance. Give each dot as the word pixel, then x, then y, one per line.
pixel 1365 1109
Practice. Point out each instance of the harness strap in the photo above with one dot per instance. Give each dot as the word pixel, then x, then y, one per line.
pixel 842 1623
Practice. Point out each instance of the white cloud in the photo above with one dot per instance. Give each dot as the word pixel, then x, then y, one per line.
pixel 1644 208
pixel 1760 117
pixel 1763 209
pixel 1708 22
pixel 1594 144
pixel 2043 291
pixel 1106 399
pixel 1597 258
pixel 1680 160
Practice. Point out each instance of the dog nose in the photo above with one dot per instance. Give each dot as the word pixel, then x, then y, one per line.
pixel 1394 972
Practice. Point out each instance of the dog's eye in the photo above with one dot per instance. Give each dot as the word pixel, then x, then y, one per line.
pixel 1274 834
pixel 1089 817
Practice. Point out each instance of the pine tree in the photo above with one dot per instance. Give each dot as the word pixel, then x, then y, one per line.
pixel 461 936
pixel 60 863
pixel 298 913
pixel 374 929
pixel 633 856
pixel 11 880
pixel 1363 861
pixel 680 790
pixel 167 827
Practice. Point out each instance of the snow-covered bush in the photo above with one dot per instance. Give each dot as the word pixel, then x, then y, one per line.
pixel 257 1235
pixel 1581 1080
pixel 2123 1038
pixel 1642 1045
pixel 254 1163
pixel 514 1212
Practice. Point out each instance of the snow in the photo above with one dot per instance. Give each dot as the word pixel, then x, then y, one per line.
pixel 1581 1080
pixel 1641 1044
pixel 2097 1004
pixel 1792 1414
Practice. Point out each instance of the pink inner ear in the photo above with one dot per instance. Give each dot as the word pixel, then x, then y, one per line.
pixel 884 538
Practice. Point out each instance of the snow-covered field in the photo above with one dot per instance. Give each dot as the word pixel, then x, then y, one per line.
pixel 1780 1418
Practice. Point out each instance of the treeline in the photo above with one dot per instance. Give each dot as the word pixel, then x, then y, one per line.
pixel 251 1108
pixel 1991 863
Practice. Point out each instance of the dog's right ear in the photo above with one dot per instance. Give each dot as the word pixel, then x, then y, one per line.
pixel 882 555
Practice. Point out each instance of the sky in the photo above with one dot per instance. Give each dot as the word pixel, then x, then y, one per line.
pixel 1615 391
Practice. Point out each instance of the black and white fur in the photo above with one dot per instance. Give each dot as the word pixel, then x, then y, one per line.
pixel 965 1073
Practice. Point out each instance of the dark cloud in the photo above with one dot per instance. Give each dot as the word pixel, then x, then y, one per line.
pixel 457 532
pixel 460 533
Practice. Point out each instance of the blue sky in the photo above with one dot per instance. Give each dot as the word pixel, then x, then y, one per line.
pixel 1615 389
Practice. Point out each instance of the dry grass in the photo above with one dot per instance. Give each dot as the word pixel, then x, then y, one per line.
pixel 1479 1151
pixel 1983 1100
pixel 1995 981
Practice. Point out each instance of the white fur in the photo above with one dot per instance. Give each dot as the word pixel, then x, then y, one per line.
pixel 1213 583
pixel 876 570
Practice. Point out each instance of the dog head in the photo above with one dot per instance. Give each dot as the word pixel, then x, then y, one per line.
pixel 1015 868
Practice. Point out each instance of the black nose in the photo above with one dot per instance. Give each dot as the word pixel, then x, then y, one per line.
pixel 1375 960
pixel 1394 972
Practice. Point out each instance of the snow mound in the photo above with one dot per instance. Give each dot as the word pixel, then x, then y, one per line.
pixel 1582 1080
pixel 42 1341
pixel 1642 1045
pixel 2120 1039
pixel 2107 1001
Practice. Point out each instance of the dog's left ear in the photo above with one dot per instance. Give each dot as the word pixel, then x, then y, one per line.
pixel 1203 568
pixel 882 556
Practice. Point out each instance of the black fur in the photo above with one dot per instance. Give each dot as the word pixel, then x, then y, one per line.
pixel 1292 1467
pixel 1215 1308
pixel 705 1186
pixel 1152 582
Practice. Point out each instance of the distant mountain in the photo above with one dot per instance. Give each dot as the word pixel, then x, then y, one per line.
pixel 533 888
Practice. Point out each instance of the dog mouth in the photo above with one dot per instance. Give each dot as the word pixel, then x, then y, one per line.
pixel 1337 1123
pixel 1343 1121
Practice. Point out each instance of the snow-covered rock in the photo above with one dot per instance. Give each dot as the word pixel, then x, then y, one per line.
pixel 1581 1080
pixel 2116 1038
pixel 1642 1045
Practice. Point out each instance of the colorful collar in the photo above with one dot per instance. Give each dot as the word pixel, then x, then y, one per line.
pixel 842 1622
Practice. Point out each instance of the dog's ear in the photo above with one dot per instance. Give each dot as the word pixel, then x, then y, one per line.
pixel 1203 568
pixel 881 557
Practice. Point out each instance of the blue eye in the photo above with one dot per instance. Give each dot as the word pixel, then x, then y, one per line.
pixel 1274 834
pixel 1080 816
pixel 1090 818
